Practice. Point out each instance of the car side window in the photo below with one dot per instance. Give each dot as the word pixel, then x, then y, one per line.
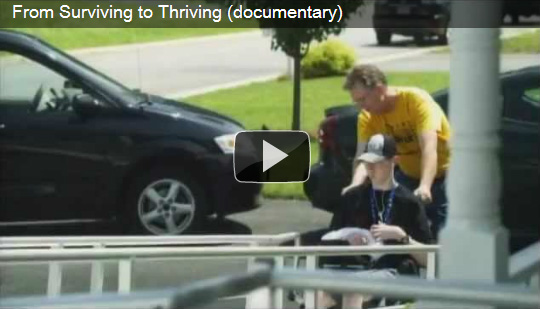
pixel 20 80
pixel 532 97
pixel 529 103
pixel 28 87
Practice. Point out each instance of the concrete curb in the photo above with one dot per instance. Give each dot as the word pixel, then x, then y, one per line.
pixel 198 91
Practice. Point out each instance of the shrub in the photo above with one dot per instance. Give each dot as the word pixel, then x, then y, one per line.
pixel 330 58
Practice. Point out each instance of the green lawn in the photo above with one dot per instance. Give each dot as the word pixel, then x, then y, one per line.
pixel 69 38
pixel 526 43
pixel 270 103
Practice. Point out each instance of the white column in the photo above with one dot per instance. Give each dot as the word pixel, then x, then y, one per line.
pixel 474 243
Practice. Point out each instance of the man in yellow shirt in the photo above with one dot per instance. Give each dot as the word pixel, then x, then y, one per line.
pixel 420 128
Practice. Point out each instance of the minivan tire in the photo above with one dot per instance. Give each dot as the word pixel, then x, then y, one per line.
pixel 153 207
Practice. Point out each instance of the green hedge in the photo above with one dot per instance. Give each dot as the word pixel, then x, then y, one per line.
pixel 330 58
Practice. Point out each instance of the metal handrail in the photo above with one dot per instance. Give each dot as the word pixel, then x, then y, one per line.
pixel 479 293
pixel 112 241
pixel 195 294
pixel 74 254
pixel 464 292
pixel 27 246
pixel 209 290
pixel 126 257
pixel 525 263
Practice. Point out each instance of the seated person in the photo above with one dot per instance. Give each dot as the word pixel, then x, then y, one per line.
pixel 388 210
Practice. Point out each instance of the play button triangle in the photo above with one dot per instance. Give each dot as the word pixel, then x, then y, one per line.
pixel 271 155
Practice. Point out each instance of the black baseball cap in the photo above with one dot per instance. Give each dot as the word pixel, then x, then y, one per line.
pixel 379 147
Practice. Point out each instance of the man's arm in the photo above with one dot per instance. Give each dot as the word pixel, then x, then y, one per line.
pixel 421 234
pixel 359 173
pixel 359 170
pixel 428 145
pixel 428 121
pixel 364 131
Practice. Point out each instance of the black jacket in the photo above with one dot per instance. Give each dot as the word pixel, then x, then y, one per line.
pixel 407 212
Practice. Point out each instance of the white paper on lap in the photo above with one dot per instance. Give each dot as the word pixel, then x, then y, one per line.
pixel 348 232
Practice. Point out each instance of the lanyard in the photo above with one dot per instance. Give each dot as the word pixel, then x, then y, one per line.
pixel 386 210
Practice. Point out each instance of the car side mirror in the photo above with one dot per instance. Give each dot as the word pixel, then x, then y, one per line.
pixel 85 105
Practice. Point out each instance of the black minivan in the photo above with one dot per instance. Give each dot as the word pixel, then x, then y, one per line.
pixel 77 147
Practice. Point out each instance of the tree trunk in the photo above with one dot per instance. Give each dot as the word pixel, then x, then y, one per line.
pixel 296 93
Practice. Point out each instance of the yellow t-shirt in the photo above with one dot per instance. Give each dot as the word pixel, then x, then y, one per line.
pixel 415 112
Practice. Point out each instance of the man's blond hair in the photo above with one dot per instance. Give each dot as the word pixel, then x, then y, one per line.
pixel 364 75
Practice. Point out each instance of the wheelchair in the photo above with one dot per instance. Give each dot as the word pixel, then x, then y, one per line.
pixel 399 265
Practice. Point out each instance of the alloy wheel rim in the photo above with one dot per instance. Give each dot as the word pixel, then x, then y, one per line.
pixel 166 207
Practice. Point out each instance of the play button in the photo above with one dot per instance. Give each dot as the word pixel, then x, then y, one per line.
pixel 271 156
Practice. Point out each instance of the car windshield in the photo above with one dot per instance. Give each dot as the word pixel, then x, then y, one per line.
pixel 129 96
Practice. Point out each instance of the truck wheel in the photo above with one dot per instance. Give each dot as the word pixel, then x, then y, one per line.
pixel 165 201
pixel 514 18
pixel 419 39
pixel 443 38
pixel 384 37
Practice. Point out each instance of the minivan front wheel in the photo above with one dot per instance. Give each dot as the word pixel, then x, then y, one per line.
pixel 165 203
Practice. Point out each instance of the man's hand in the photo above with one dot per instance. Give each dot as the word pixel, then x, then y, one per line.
pixel 385 232
pixel 424 193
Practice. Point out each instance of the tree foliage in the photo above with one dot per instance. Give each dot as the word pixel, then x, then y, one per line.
pixel 293 36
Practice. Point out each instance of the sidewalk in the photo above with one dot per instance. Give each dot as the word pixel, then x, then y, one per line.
pixel 441 62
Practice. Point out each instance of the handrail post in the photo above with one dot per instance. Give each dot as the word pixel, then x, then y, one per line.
pixel 97 275
pixel 54 279
pixel 431 265
pixel 261 297
pixel 277 293
pixel 297 243
pixel 124 276
pixel 310 296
